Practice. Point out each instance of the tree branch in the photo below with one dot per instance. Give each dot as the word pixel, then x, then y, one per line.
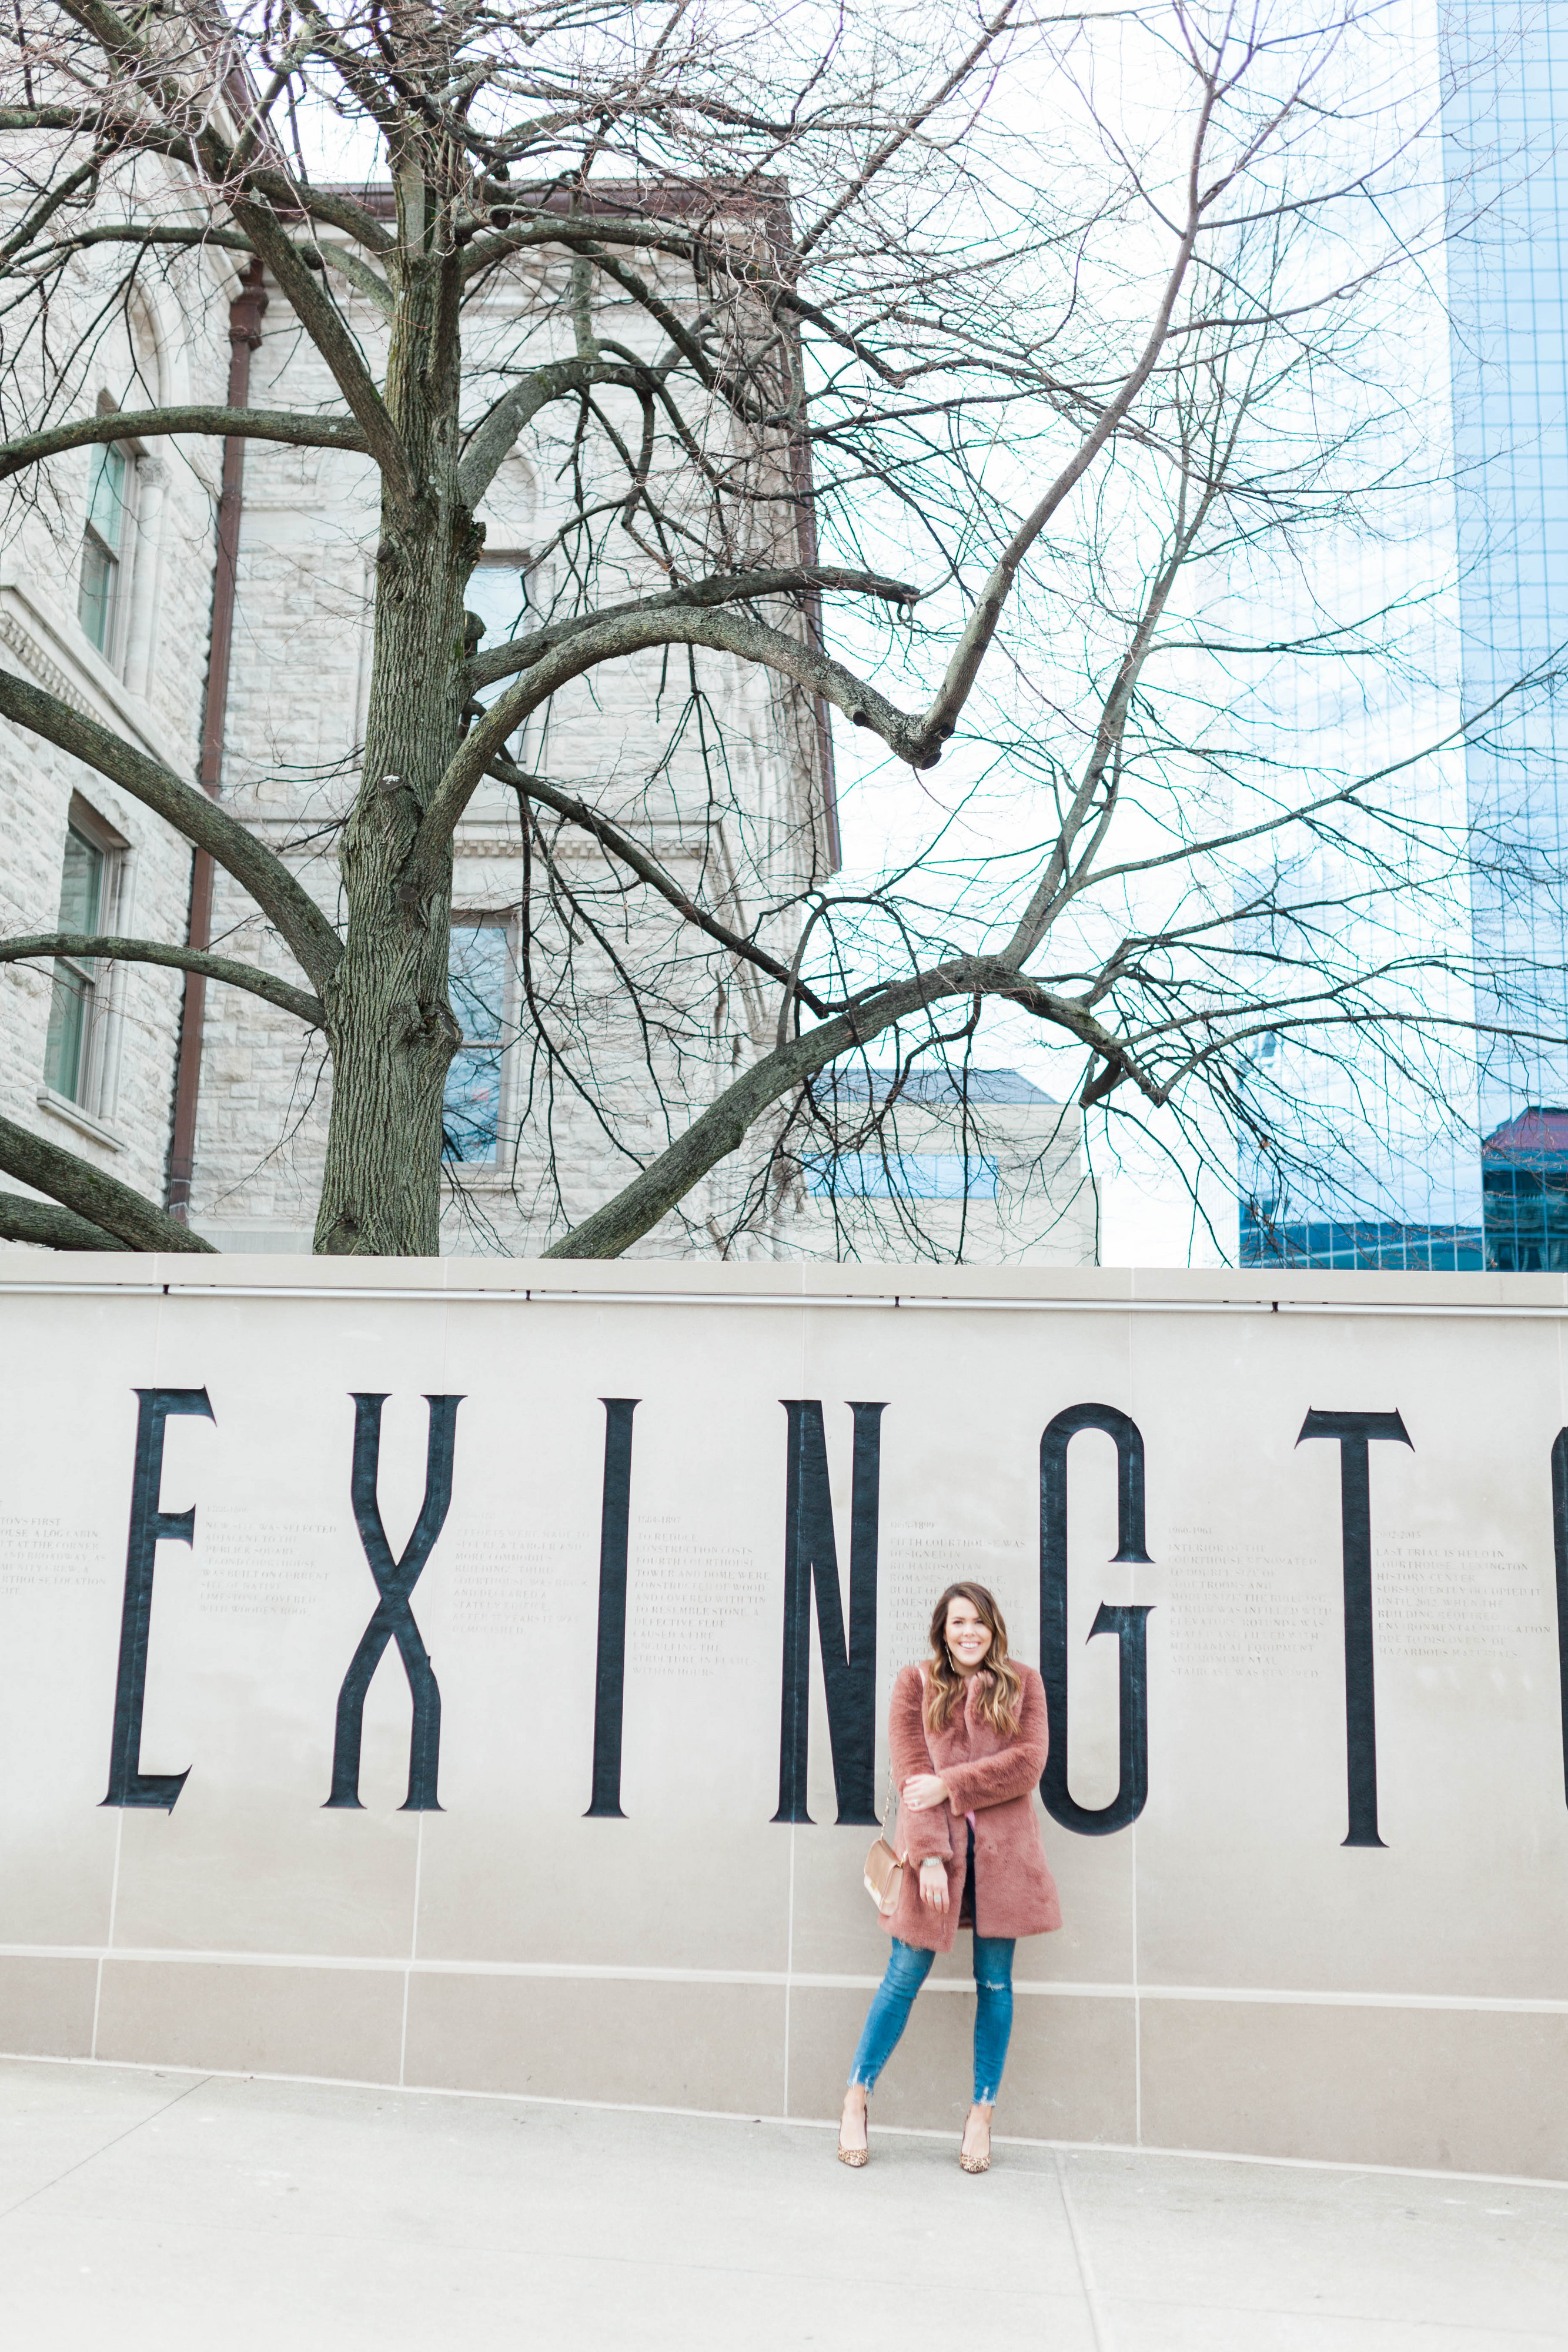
pixel 578 230
pixel 35 260
pixel 103 1200
pixel 723 588
pixel 51 200
pixel 284 900
pixel 963 670
pixel 663 316
pixel 1060 881
pixel 574 229
pixel 135 132
pixel 493 437
pixel 321 321
pixel 338 210
pixel 50 117
pixel 630 853
pixel 325 256
pixel 150 424
pixel 47 1227
pixel 724 1125
pixel 91 948
pixel 606 640
pixel 909 128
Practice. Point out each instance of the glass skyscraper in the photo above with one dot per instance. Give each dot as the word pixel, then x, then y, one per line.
pixel 1505 155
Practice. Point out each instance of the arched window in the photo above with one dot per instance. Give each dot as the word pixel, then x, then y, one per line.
pixel 106 545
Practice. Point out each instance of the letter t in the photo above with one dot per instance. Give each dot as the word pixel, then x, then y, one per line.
pixel 1354 1430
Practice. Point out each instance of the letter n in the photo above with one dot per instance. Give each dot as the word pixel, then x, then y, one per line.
pixel 849 1667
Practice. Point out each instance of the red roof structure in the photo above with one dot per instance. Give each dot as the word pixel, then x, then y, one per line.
pixel 1538 1132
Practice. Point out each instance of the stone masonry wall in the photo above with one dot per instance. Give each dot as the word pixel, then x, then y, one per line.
pixel 148 688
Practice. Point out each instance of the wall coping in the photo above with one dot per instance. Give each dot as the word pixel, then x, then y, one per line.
pixel 680 1282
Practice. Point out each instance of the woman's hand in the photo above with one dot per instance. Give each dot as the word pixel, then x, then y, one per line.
pixel 926 1790
pixel 933 1885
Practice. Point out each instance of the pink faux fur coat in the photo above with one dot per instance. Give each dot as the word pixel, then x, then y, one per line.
pixel 988 1775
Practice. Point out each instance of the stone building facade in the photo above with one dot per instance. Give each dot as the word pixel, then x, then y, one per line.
pixel 562 1084
pixel 86 1057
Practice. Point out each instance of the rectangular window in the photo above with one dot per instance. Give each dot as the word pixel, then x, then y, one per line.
pixel 69 1054
pixel 906 1175
pixel 471 1112
pixel 103 544
pixel 497 591
pixel 1363 1246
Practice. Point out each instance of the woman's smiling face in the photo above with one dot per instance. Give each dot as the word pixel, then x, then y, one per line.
pixel 966 1634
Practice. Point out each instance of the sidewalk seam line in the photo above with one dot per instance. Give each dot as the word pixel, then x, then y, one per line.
pixel 93 2154
pixel 1097 2320
pixel 1090 2147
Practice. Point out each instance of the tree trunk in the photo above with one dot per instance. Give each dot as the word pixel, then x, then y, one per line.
pixel 389 1021
pixel 392 1036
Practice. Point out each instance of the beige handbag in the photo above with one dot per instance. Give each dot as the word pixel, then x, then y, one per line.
pixel 884 1866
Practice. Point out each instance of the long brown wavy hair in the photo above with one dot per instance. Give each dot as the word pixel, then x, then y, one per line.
pixel 1001 1684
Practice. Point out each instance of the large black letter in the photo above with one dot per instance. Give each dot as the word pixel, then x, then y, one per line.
pixel 1560 1541
pixel 1354 1430
pixel 1126 1622
pixel 394 1620
pixel 610 1673
pixel 849 1668
pixel 149 1526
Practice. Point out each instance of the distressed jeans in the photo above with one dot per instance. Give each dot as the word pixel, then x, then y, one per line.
pixel 907 1970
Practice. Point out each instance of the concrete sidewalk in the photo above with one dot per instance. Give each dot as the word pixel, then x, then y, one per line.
pixel 164 2212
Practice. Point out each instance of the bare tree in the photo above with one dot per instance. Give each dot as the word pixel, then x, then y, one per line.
pixel 1038 364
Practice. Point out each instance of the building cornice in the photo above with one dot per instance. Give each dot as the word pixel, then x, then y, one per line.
pixel 49 675
pixel 75 675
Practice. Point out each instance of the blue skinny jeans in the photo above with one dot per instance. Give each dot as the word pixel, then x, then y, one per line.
pixel 907 1970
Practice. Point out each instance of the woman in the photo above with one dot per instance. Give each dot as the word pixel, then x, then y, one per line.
pixel 968 1736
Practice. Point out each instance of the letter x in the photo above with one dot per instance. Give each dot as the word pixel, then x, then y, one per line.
pixel 394 1619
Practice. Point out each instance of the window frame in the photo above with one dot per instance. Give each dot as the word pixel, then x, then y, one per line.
pixel 500 920
pixel 522 562
pixel 120 558
pixel 878 1175
pixel 97 977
